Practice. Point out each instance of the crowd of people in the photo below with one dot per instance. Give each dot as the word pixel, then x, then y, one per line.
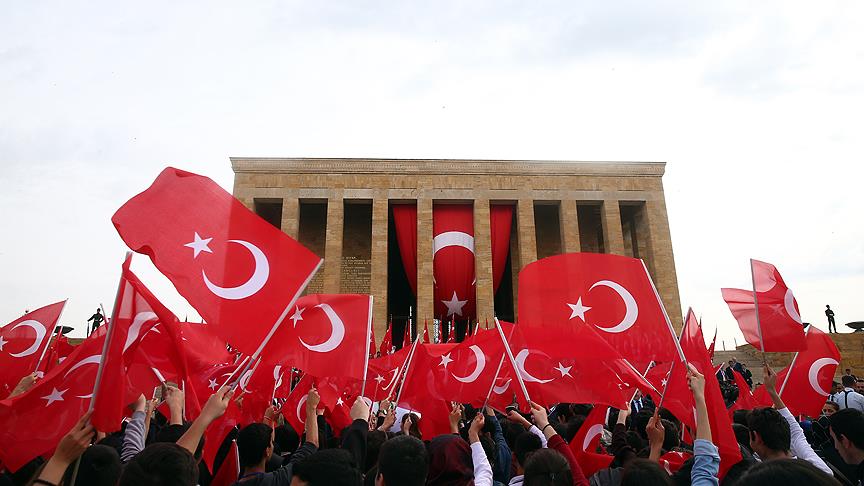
pixel 484 446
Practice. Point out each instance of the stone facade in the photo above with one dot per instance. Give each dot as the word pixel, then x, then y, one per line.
pixel 616 207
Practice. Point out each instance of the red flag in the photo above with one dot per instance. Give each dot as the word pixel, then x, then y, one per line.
pixel 420 391
pixel 23 342
pixel 672 461
pixel 745 395
pixel 778 318
pixel 229 471
pixel 451 337
pixel 294 409
pixel 553 373
pixel 132 319
pixel 372 346
pixel 812 371
pixel 586 441
pixel 453 260
pixel 387 343
pixel 217 431
pixel 236 269
pixel 60 350
pixel 713 343
pixel 406 337
pixel 51 407
pixel 611 293
pixel 693 344
pixel 465 373
pixel 325 335
pixel 425 332
pixel 670 380
pixel 382 378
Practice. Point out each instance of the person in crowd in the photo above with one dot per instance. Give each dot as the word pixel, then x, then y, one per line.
pixel 832 326
pixel 747 374
pixel 776 434
pixel 96 319
pixel 547 467
pixel 849 398
pixel 859 386
pixel 786 472
pixel 402 461
pixel 452 461
pixel 847 431
pixel 638 403
pixel 848 372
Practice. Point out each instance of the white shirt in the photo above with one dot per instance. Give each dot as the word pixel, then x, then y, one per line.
pixel 849 398
pixel 800 448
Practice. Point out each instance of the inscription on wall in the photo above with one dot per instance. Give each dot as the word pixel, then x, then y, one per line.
pixel 356 275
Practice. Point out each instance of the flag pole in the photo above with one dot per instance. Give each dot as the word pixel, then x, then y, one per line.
pixel 512 360
pixel 366 355
pixel 675 337
pixel 231 376
pixel 791 365
pixel 758 320
pixel 56 336
pixel 492 386
pixel 405 372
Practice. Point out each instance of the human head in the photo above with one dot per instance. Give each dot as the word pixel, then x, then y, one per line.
pixel 848 381
pixel 859 385
pixel 642 472
pixel 285 439
pixel 449 461
pixel 330 467
pixel 827 306
pixel 374 440
pixel 731 362
pixel 769 432
pixel 788 472
pixel 414 430
pixel 526 444
pixel 671 438
pixel 173 432
pixel 163 464
pixel 742 435
pixel 100 466
pixel 740 417
pixel 547 467
pixel 847 430
pixel 402 461
pixel 836 386
pixel 848 371
pixel 255 445
pixel 830 408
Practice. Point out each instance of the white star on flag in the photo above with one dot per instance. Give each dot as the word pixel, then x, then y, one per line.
pixel 199 245
pixel 663 382
pixel 445 360
pixel 339 401
pixel 379 379
pixel 454 305
pixel 298 315
pixel 578 309
pixel 213 385
pixel 564 370
pixel 2 343
pixel 55 396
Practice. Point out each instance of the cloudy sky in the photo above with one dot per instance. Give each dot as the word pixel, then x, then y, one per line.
pixel 755 106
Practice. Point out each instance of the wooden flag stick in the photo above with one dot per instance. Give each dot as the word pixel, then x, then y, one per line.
pixel 758 320
pixel 56 337
pixel 492 386
pixel 405 372
pixel 366 355
pixel 512 360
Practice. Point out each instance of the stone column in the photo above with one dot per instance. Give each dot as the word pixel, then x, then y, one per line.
pixel 425 290
pixel 378 285
pixel 663 260
pixel 483 260
pixel 613 238
pixel 527 243
pixel 569 212
pixel 333 243
pixel 291 216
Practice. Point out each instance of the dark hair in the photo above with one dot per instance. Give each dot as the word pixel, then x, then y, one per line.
pixel 642 472
pixel 788 472
pixel 161 464
pixel 526 443
pixel 771 427
pixel 414 430
pixel 547 467
pixel 849 423
pixel 285 439
pixel 403 460
pixel 100 466
pixel 742 435
pixel 639 421
pixel 252 443
pixel 330 467
pixel 173 432
pixel 374 440
pixel 572 427
pixel 672 437
pixel 740 417
pixel 848 380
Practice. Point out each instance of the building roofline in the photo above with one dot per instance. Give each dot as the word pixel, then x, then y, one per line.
pixel 303 165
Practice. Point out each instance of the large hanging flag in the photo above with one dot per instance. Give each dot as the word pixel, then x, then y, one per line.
pixel 612 294
pixel 33 423
pixel 586 441
pixel 23 343
pixel 238 271
pixel 453 260
pixel 767 315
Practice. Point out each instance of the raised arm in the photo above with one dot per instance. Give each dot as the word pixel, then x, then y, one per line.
pixel 482 469
pixel 71 446
pixel 706 460
pixel 556 442
pixel 133 439
pixel 213 409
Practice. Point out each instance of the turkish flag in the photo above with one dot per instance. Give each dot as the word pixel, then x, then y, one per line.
pixel 421 393
pixel 218 430
pixel 372 345
pixel 23 342
pixel 554 373
pixel 587 440
pixel 672 461
pixel 693 344
pixel 387 342
pixel 466 372
pixel 611 293
pixel 809 381
pixel 60 349
pixel 133 318
pixel 672 390
pixel 229 471
pixel 33 423
pixel 325 335
pixel 294 408
pixel 745 399
pixel 453 260
pixel 778 318
pixel 382 377
pixel 425 332
pixel 238 271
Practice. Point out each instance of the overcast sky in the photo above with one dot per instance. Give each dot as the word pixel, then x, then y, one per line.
pixel 755 106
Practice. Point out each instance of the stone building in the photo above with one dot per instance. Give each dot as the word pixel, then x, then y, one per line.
pixel 342 209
